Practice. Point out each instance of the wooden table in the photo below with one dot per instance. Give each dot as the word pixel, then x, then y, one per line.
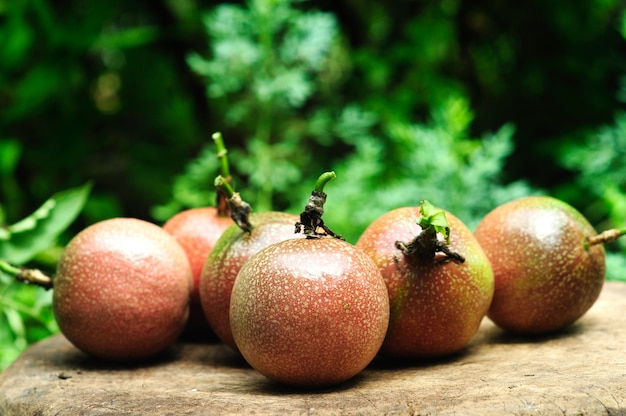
pixel 580 371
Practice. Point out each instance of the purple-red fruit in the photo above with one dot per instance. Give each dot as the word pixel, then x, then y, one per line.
pixel 309 312
pixel 197 230
pixel 229 254
pixel 121 290
pixel 547 275
pixel 437 303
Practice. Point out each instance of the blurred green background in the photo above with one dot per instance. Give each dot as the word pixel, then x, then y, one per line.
pixel 467 104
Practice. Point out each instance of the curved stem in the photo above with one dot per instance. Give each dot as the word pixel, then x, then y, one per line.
pixel 224 186
pixel 239 209
pixel 323 180
pixel 311 223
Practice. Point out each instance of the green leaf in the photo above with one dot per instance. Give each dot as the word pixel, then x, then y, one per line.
pixel 21 241
pixel 435 219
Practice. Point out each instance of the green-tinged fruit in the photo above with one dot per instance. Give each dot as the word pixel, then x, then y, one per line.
pixel 229 254
pixel 438 293
pixel 547 274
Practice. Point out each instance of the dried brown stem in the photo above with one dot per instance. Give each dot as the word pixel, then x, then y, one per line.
pixel 34 277
pixel 607 236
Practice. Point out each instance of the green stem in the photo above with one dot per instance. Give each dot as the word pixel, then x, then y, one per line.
pixel 223 209
pixel 223 186
pixel 221 153
pixel 311 223
pixel 28 276
pixel 239 209
pixel 323 180
pixel 8 268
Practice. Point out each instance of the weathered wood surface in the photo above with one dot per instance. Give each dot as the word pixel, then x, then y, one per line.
pixel 581 371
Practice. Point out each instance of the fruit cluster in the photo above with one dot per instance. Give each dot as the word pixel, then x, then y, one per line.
pixel 306 308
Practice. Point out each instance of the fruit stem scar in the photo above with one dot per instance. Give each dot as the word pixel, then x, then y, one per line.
pixel 311 221
pixel 239 209
pixel 607 236
pixel 221 152
pixel 426 244
pixel 28 276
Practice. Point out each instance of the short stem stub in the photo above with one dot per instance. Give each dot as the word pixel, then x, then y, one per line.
pixel 29 276
pixel 426 245
pixel 607 236
pixel 239 209
pixel 311 223
pixel 35 277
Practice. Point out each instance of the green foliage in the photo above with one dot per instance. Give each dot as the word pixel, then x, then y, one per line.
pixel 193 187
pixel 385 161
pixel 599 167
pixel 600 183
pixel 595 157
pixel 25 317
pixel 21 241
pixel 267 61
pixel 407 63
pixel 82 92
pixel 25 311
pixel 437 161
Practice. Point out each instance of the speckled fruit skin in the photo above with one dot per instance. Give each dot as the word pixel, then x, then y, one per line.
pixel 309 312
pixel 436 308
pixel 545 277
pixel 230 253
pixel 121 290
pixel 197 230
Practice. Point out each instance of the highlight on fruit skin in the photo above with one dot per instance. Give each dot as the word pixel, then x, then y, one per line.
pixel 547 274
pixel 309 312
pixel 122 289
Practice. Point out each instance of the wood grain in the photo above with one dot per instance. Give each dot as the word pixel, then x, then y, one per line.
pixel 580 371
